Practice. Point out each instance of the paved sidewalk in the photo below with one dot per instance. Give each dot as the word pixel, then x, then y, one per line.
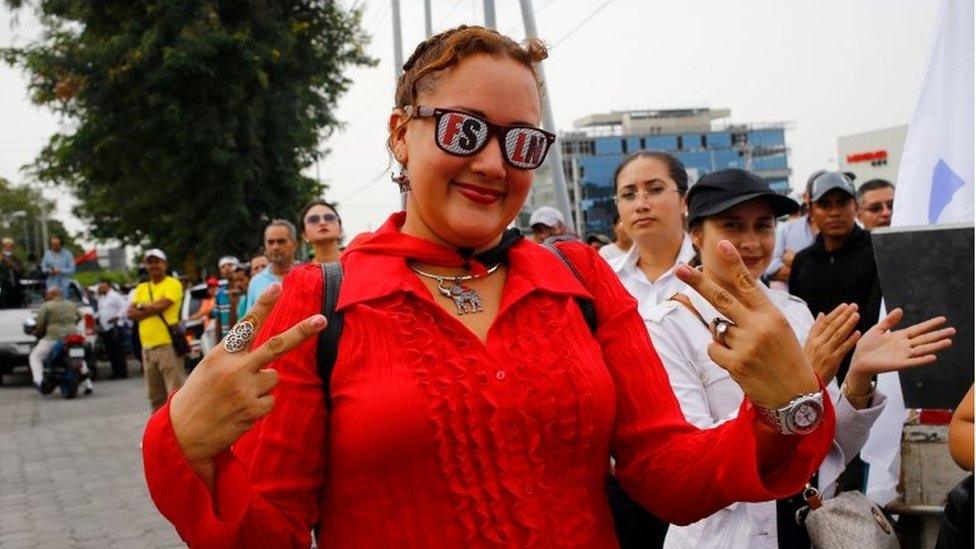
pixel 71 470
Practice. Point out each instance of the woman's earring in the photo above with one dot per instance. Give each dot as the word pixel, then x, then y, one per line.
pixel 402 180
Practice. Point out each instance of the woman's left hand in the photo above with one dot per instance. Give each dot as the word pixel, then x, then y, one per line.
pixel 760 351
pixel 883 349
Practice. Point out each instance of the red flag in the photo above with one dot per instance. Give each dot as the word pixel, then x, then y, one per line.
pixel 91 255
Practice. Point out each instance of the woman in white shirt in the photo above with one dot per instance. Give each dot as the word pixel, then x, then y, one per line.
pixel 649 188
pixel 739 207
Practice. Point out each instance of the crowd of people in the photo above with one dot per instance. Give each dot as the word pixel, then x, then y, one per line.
pixel 681 385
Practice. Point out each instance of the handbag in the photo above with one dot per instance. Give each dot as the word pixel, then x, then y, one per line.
pixel 177 334
pixel 849 519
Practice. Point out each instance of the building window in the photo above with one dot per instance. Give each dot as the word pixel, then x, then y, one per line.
pixel 704 141
pixel 623 146
pixel 681 143
pixel 643 143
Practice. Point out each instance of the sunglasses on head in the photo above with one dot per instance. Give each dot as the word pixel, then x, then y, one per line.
pixel 315 218
pixel 464 134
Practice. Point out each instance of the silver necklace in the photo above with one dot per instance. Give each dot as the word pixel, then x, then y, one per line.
pixel 465 299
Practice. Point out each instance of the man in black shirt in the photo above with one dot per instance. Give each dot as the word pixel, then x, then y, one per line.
pixel 839 267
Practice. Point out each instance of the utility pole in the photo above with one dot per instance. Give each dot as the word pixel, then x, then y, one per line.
pixel 490 14
pixel 428 27
pixel 555 153
pixel 577 201
pixel 398 66
pixel 45 239
pixel 397 40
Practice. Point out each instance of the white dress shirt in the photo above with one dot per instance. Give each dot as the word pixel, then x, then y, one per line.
pixel 111 305
pixel 611 251
pixel 648 294
pixel 709 396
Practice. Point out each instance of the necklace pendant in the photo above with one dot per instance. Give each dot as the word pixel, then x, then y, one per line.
pixel 465 299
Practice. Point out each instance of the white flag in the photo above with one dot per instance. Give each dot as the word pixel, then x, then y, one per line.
pixel 935 185
pixel 935 178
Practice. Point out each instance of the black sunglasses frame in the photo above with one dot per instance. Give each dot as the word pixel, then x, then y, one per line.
pixel 500 133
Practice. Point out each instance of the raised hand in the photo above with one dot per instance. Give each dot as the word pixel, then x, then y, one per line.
pixel 760 351
pixel 227 392
pixel 831 337
pixel 883 349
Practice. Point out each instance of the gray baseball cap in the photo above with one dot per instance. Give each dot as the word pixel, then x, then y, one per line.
pixel 829 181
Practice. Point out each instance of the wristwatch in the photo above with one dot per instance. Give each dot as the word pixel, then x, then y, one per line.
pixel 800 416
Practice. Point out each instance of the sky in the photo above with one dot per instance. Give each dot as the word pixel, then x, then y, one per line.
pixel 828 69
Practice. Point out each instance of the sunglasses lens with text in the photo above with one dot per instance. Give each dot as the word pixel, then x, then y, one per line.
pixel 461 134
pixel 525 148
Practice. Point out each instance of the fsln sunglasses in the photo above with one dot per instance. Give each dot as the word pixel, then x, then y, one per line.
pixel 464 134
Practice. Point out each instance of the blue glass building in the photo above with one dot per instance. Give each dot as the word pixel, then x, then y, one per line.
pixel 592 152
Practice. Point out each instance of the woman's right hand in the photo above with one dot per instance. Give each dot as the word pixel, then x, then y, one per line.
pixel 228 392
pixel 831 337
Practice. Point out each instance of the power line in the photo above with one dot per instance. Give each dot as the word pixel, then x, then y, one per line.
pixel 580 24
pixel 449 12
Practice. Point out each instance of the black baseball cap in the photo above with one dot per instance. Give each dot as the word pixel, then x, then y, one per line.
pixel 719 191
pixel 829 181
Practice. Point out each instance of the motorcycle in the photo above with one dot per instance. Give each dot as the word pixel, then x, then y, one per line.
pixel 64 365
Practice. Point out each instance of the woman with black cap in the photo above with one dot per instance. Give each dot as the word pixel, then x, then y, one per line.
pixel 739 207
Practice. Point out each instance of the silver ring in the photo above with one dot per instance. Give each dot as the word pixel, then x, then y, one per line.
pixel 720 327
pixel 239 336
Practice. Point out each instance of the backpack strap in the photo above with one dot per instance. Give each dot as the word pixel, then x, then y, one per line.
pixel 683 299
pixel 328 344
pixel 585 305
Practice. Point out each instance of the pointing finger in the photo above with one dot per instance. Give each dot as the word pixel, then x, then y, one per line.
pixel 733 271
pixel 278 345
pixel 720 298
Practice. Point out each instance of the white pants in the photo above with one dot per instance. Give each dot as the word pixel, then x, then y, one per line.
pixel 40 352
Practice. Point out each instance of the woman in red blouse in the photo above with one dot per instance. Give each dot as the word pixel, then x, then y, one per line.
pixel 477 409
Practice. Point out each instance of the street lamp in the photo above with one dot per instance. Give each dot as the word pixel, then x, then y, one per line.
pixel 23 216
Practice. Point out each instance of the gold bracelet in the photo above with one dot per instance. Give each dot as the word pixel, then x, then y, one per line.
pixel 858 401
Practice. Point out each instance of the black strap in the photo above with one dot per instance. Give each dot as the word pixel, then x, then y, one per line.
pixel 585 305
pixel 328 344
pixel 153 300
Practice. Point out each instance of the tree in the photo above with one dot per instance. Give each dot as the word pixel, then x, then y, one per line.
pixel 194 118
pixel 20 219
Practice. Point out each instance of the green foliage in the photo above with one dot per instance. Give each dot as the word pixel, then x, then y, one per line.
pixel 194 118
pixel 15 199
pixel 91 278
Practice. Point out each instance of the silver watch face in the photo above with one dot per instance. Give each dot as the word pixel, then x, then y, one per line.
pixel 806 416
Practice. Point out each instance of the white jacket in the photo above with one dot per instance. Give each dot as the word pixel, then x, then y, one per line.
pixel 708 396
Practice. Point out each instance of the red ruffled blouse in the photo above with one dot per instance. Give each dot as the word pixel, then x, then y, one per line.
pixel 435 439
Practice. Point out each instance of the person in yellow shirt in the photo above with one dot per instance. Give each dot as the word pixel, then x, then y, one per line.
pixel 160 297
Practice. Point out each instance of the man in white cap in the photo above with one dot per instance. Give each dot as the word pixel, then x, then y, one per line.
pixel 548 226
pixel 226 266
pixel 155 306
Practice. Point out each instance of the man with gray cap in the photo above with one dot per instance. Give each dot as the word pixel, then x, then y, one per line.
pixel 548 226
pixel 839 267
pixel 155 306
pixel 791 237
